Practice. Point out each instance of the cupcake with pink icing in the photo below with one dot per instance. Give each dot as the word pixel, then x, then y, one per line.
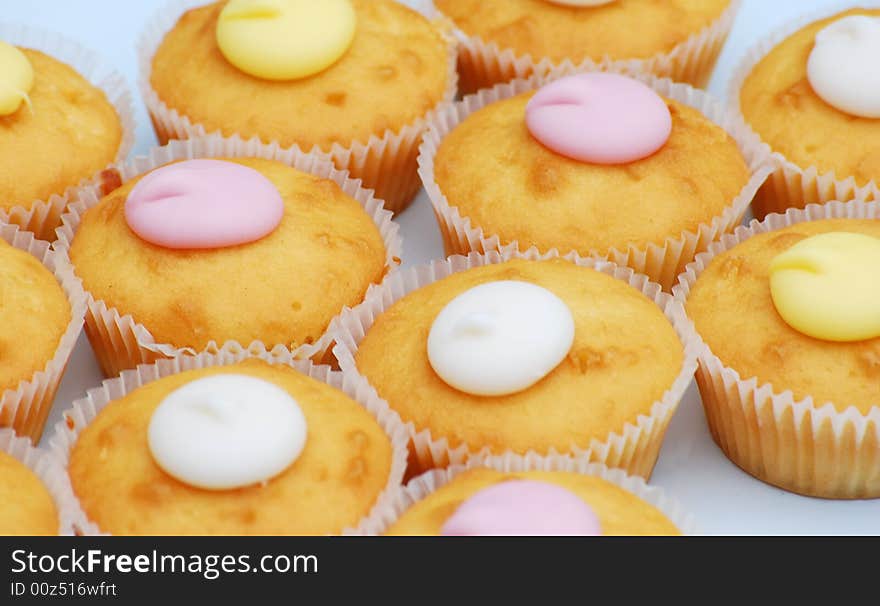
pixel 635 169
pixel 209 244
pixel 529 496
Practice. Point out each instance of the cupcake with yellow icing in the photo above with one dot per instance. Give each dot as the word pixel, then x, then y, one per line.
pixel 520 353
pixel 64 116
pixel 211 243
pixel 230 445
pixel 351 79
pixel 790 387
pixel 641 171
pixel 506 39
pixel 807 90
pixel 41 313
pixel 33 496
pixel 529 496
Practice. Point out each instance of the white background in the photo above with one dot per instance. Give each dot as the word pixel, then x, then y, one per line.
pixel 723 499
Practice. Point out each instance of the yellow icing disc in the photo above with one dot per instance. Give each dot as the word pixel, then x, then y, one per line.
pixel 16 79
pixel 827 286
pixel 285 39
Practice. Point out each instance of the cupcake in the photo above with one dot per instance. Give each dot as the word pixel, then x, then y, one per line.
pixel 63 117
pixel 506 39
pixel 641 171
pixel 33 496
pixel 41 306
pixel 210 242
pixel 521 353
pixel 359 92
pixel 790 388
pixel 514 495
pixel 283 448
pixel 807 92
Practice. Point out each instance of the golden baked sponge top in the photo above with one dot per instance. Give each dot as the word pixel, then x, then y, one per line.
pixel 26 507
pixel 624 29
pixel 34 315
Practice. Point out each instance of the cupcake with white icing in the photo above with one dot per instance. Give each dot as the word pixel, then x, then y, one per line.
pixel 523 353
pixel 810 91
pixel 229 445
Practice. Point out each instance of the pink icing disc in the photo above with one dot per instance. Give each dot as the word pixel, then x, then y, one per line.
pixel 523 508
pixel 203 204
pixel 599 118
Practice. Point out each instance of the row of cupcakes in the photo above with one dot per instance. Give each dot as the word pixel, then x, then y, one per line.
pixel 363 106
pixel 167 244
pixel 498 41
pixel 860 434
pixel 389 72
pixel 806 89
pixel 363 92
pixel 129 438
pixel 289 448
pixel 130 217
pixel 149 265
pixel 191 247
pixel 783 437
pixel 167 248
pixel 506 166
pixel 781 317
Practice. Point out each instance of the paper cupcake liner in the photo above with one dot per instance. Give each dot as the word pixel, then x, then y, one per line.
pixel 801 446
pixel 662 263
pixel 120 342
pixel 46 469
pixel 793 186
pixel 634 448
pixel 43 216
pixel 421 487
pixel 84 410
pixel 386 163
pixel 484 64
pixel 26 408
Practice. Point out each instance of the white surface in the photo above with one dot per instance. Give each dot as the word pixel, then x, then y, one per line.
pixel 724 499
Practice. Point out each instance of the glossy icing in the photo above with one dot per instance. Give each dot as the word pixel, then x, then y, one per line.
pixel 285 39
pixel 599 118
pixel 523 508
pixel 827 286
pixel 226 431
pixel 16 79
pixel 842 68
pixel 203 204
pixel 500 338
